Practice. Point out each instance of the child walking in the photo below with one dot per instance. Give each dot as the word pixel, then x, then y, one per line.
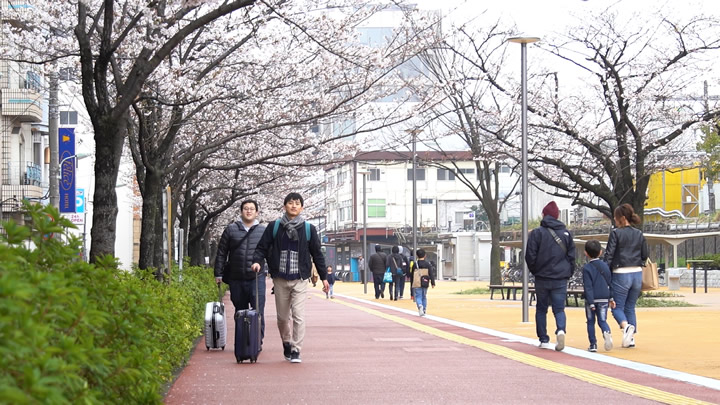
pixel 331 282
pixel 422 276
pixel 598 295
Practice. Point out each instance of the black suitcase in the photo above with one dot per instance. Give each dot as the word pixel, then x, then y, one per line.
pixel 247 333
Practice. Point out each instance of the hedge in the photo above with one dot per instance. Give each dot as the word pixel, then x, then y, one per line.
pixel 79 333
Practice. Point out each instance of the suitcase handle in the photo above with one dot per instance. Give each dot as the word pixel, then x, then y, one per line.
pixel 220 294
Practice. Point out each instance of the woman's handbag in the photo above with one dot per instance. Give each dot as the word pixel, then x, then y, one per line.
pixel 650 276
pixel 387 278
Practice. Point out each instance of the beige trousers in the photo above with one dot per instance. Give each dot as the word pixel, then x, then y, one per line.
pixel 290 298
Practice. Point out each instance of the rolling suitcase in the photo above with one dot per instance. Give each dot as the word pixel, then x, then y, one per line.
pixel 215 325
pixel 247 333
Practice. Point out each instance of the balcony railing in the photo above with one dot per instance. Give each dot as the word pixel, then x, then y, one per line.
pixel 23 173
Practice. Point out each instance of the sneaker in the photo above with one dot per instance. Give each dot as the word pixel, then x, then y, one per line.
pixel 545 345
pixel 592 348
pixel 421 312
pixel 332 297
pixel 424 311
pixel 628 335
pixel 608 341
pixel 295 357
pixel 560 340
pixel 632 342
pixel 286 350
pixel 382 295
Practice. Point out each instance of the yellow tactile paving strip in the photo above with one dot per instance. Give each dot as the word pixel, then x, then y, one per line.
pixel 573 372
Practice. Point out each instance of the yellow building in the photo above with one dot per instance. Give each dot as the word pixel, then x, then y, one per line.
pixel 675 190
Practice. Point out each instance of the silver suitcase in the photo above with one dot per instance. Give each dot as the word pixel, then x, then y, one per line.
pixel 215 324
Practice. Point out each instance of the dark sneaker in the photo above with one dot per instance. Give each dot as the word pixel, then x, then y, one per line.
pixel 560 340
pixel 295 357
pixel 592 348
pixel 286 351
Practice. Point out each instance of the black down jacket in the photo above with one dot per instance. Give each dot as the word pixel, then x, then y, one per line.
pixel 235 252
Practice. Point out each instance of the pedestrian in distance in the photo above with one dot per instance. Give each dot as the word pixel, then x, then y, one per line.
pixel 422 276
pixel 396 263
pixel 626 253
pixel 234 260
pixel 598 295
pixel 290 254
pixel 331 282
pixel 550 257
pixel 377 268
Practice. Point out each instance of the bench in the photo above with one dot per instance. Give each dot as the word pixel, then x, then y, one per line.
pixel 506 289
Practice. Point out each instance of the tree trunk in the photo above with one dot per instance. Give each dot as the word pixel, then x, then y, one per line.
pixel 494 222
pixel 109 137
pixel 149 233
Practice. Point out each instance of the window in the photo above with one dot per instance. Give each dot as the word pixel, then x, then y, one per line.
pixel 504 169
pixel 68 117
pixel 420 174
pixel 467 172
pixel 67 74
pixel 376 208
pixel 374 175
pixel 426 201
pixel 445 174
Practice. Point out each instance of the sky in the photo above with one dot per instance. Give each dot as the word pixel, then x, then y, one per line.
pixel 541 17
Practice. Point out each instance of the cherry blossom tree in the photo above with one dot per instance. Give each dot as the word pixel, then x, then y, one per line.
pixel 598 142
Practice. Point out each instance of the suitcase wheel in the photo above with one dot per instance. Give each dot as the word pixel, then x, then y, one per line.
pixel 207 347
pixel 239 361
pixel 223 347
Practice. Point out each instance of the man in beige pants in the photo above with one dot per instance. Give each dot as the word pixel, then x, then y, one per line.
pixel 291 246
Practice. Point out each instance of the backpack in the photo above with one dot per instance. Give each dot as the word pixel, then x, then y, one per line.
pixel 307 229
pixel 424 281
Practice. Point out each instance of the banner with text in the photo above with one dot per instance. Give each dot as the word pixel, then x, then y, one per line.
pixel 66 155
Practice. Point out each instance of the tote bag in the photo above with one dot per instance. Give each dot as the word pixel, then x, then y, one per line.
pixel 387 278
pixel 650 276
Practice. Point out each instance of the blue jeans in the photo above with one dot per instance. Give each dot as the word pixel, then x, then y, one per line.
pixel 398 280
pixel 600 313
pixel 401 285
pixel 626 291
pixel 242 295
pixel 421 297
pixel 547 292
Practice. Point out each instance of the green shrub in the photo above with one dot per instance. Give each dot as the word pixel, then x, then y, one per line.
pixel 72 332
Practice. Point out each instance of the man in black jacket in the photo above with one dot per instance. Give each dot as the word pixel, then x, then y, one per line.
pixel 377 268
pixel 235 257
pixel 291 246
pixel 550 257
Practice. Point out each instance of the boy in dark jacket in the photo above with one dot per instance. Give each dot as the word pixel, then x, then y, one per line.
pixel 290 255
pixel 550 257
pixel 422 276
pixel 598 294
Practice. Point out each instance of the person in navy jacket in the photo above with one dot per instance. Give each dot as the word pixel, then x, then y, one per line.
pixel 550 257
pixel 598 294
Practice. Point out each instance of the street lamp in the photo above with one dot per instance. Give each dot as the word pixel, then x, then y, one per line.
pixel 414 133
pixel 523 41
pixel 364 269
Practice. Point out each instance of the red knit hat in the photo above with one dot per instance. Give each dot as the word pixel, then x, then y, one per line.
pixel 551 209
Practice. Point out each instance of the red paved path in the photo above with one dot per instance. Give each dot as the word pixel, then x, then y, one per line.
pixel 353 357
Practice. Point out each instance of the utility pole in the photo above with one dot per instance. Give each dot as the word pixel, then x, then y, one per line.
pixel 54 114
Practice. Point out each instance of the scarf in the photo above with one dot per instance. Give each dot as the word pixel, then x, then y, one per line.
pixel 291 225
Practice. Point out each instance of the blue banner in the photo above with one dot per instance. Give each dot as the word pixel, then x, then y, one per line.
pixel 66 155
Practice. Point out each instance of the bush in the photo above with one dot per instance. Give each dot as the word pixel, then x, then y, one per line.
pixel 72 332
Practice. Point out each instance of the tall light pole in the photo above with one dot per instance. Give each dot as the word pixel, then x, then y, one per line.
pixel 414 133
pixel 523 41
pixel 364 269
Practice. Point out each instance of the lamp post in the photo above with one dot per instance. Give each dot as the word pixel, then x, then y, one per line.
pixel 523 41
pixel 414 133
pixel 364 269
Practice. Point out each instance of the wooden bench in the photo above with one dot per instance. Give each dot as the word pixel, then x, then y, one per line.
pixel 505 291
